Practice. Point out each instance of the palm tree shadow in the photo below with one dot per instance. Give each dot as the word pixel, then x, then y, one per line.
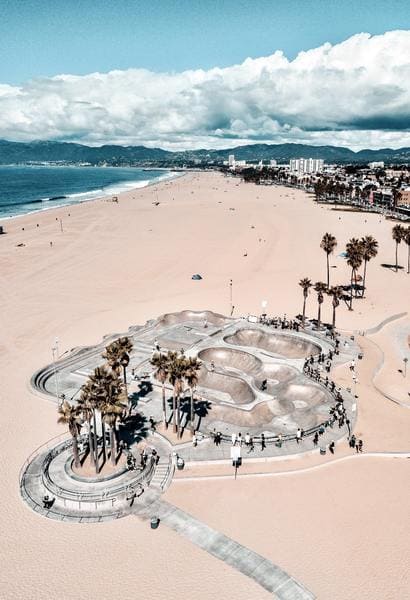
pixel 185 410
pixel 144 388
pixel 133 429
pixel 201 409
pixel 389 266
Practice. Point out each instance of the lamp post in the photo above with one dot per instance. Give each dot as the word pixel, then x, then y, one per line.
pixel 405 361
pixel 231 296
pixel 264 304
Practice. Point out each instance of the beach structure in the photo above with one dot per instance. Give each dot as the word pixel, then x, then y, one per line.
pixel 251 382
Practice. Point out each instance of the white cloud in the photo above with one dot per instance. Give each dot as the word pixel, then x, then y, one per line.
pixel 356 93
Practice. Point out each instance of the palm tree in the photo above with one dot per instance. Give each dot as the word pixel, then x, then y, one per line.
pixel 191 377
pixel 86 410
pixel 397 235
pixel 161 362
pixel 69 415
pixel 125 347
pixel 328 244
pixel 117 356
pixel 305 284
pixel 370 248
pixel 99 382
pixel 112 356
pixel 336 292
pixel 354 258
pixel 406 238
pixel 103 386
pixel 320 289
pixel 176 373
pixel 89 402
pixel 113 410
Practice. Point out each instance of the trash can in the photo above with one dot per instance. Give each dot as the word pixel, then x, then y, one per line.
pixel 180 463
pixel 322 451
pixel 360 355
pixel 154 522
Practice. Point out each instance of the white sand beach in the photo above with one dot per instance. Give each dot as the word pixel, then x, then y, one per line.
pixel 341 529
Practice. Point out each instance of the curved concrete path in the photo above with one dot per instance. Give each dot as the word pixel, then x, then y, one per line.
pixel 248 562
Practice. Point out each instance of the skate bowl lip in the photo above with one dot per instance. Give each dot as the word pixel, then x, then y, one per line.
pixel 312 347
pixel 187 316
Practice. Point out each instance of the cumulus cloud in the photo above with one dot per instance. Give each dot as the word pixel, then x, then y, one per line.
pixel 356 93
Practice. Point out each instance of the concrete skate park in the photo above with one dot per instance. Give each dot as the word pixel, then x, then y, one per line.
pixel 237 358
pixel 251 381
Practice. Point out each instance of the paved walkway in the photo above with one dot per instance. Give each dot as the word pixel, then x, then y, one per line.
pixel 251 564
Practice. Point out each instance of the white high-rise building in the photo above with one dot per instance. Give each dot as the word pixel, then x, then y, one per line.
pixel 231 160
pixel 273 163
pixel 306 165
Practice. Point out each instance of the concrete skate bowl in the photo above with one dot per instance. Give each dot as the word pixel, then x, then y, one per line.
pixel 275 373
pixel 232 359
pixel 305 396
pixel 288 346
pixel 258 418
pixel 244 362
pixel 193 316
pixel 236 389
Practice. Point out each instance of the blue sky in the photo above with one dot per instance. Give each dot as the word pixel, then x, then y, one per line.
pixel 210 74
pixel 46 38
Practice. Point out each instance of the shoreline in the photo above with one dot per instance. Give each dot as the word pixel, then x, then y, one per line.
pixel 173 175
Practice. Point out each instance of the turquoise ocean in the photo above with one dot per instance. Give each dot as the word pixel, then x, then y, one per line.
pixel 25 189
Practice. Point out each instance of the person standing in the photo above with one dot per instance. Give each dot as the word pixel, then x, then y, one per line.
pixel 298 435
pixel 247 439
pixel 233 438
pixel 263 442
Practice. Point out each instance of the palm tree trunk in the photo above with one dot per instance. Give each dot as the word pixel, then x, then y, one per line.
pixel 174 413
pixel 397 260
pixel 319 310
pixel 113 447
pixel 328 275
pixel 164 407
pixel 364 278
pixel 178 416
pixel 124 374
pixel 97 467
pixel 351 290
pixel 191 411
pixel 103 444
pixel 334 317
pixel 75 451
pixel 304 310
pixel 91 444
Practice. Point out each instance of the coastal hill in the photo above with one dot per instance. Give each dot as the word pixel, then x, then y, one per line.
pixel 67 152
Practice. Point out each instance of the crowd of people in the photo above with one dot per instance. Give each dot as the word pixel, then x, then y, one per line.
pixel 280 322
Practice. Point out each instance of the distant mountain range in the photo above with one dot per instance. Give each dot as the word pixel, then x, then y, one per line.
pixel 26 152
